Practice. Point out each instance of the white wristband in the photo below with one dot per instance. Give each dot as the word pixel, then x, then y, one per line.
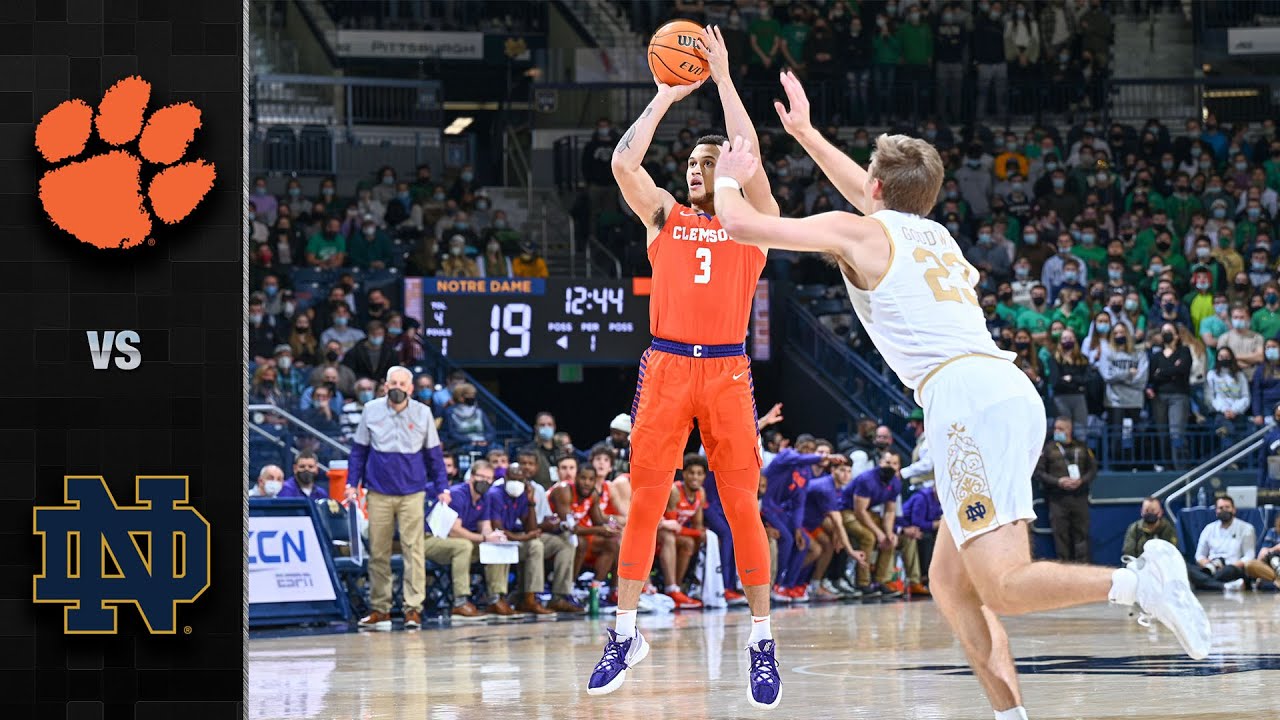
pixel 727 182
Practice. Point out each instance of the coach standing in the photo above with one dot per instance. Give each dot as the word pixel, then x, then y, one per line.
pixel 396 454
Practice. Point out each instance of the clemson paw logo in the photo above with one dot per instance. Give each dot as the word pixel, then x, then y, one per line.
pixel 99 199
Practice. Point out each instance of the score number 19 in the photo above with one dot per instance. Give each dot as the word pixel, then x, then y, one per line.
pixel 513 319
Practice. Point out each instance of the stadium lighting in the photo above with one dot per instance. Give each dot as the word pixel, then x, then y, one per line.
pixel 458 125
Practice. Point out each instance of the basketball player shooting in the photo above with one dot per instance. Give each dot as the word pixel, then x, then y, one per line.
pixel 913 292
pixel 700 305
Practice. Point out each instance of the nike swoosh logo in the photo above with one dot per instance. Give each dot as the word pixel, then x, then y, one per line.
pixel 627 564
pixel 744 372
pixel 748 571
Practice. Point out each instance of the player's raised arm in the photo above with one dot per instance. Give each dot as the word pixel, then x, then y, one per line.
pixel 643 196
pixel 844 235
pixel 848 177
pixel 736 120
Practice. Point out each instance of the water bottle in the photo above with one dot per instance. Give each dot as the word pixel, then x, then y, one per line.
pixel 1202 498
pixel 593 601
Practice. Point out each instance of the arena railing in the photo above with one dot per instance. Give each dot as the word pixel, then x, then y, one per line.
pixel 1175 99
pixel 345 101
pixel 1244 450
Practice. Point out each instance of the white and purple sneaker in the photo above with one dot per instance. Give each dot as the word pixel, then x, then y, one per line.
pixel 765 682
pixel 620 655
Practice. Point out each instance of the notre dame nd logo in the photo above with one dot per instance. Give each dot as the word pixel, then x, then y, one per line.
pixel 98 555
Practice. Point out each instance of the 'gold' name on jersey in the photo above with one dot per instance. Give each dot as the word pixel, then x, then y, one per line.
pixel 699 234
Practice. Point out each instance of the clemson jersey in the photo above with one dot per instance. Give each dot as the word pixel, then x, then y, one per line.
pixel 579 506
pixel 687 507
pixel 703 281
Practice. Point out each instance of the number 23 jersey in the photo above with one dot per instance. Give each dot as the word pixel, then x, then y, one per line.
pixel 924 310
pixel 703 281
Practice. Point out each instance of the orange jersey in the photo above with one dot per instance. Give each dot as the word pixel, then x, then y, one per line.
pixel 579 506
pixel 703 282
pixel 605 506
pixel 687 507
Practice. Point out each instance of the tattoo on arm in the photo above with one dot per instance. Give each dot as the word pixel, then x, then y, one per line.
pixel 625 143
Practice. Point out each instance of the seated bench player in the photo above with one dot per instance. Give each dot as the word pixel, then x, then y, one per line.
pixel 512 510
pixel 470 500
pixel 825 527
pixel 681 531
pixel 578 506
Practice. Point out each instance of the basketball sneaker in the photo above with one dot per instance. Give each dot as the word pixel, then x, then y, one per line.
pixel 825 592
pixel 684 602
pixel 1164 593
pixel 779 595
pixel 847 589
pixel 620 655
pixel 734 598
pixel 798 594
pixel 765 684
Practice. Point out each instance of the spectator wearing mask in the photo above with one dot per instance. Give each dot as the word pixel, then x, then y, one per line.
pixel 493 263
pixel 258 232
pixel 1223 549
pixel 464 186
pixel 1216 325
pixel 988 52
pixel 264 201
pixel 975 182
pixel 1266 321
pixel 1069 371
pixel 1098 339
pixel 872 529
pixel 405 341
pixel 991 255
pixel 857 60
pixel 344 380
pixel 372 356
pixel 543 446
pixel 289 379
pixel 1244 342
pixel 1169 310
pixel 886 47
pixel 529 264
pixel 1066 472
pixel 1152 525
pixel 1169 388
pixel 951 44
pixel 269 483
pixel 466 427
pixel 1228 396
pixel 328 378
pixel 1054 275
pixel 371 249
pixel 513 512
pixel 1265 388
pixel 324 414
pixel 341 331
pixel 471 500
pixel 1036 319
pixel 264 390
pixel 764 35
pixel 353 407
pixel 1267 566
pixel 916 37
pixel 1066 204
pixel 264 334
pixel 328 248
pixel 602 190
pixel 1124 372
pixel 396 456
pixel 303 482
pixel 456 263
pixel 1072 312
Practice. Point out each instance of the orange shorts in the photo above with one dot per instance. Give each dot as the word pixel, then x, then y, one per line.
pixel 673 390
pixel 814 533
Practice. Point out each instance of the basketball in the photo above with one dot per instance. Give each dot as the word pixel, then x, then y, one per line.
pixel 676 56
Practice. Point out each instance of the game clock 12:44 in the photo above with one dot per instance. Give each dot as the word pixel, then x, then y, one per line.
pixel 515 321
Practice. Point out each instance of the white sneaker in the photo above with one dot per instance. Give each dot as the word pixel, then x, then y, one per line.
pixel 1234 586
pixel 620 654
pixel 1165 594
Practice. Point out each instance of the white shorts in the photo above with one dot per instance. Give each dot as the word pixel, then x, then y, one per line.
pixel 986 426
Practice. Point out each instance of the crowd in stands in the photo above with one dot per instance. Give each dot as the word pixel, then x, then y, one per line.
pixel 874 62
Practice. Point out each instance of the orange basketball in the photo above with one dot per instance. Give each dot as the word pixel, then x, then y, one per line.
pixel 676 55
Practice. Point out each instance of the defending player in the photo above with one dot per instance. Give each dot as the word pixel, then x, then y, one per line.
pixel 913 292
pixel 697 368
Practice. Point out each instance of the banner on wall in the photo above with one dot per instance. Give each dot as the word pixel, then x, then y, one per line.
pixel 286 561
pixel 409 45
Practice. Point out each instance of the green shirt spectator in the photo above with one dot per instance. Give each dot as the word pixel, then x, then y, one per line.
pixel 1136 537
pixel 1200 304
pixel 1214 327
pixel 1266 319
pixel 794 35
pixel 371 249
pixel 917 41
pixel 1093 256
pixel 1034 321
pixel 1180 208
pixel 765 34
pixel 886 49
pixel 327 248
pixel 1077 318
pixel 1272 168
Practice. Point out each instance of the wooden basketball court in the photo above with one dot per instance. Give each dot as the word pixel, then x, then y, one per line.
pixel 875 661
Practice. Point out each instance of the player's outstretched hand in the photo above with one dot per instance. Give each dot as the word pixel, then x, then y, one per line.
pixel 773 417
pixel 676 93
pixel 717 53
pixel 795 120
pixel 736 160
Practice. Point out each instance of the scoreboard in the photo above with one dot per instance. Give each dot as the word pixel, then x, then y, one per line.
pixel 533 321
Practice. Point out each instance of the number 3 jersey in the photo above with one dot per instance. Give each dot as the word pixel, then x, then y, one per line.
pixel 703 281
pixel 923 311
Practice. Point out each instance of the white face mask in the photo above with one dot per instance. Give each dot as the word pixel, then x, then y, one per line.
pixel 272 487
pixel 514 488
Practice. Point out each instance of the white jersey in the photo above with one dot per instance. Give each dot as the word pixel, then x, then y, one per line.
pixel 923 311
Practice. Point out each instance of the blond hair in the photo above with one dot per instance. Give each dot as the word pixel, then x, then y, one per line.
pixel 910 172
